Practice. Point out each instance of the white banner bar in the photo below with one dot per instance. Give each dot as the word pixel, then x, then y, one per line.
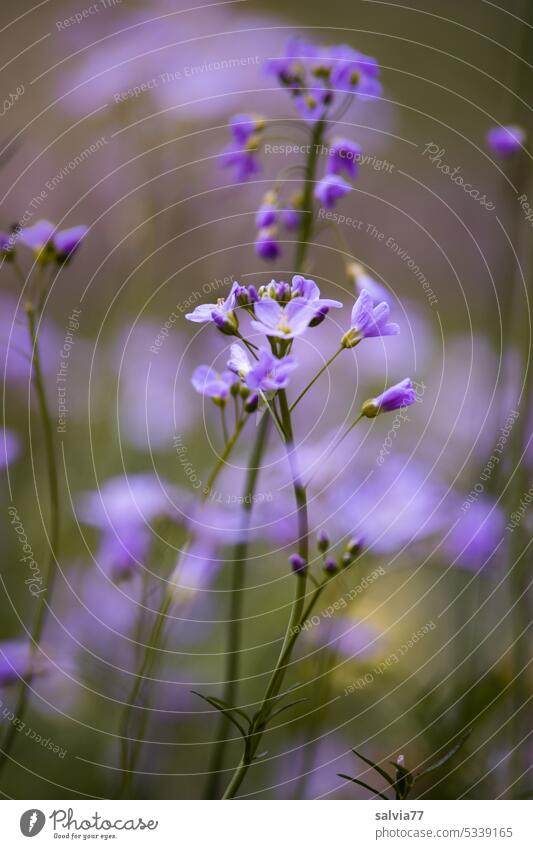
pixel 264 824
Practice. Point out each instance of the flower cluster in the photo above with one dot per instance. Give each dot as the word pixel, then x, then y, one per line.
pixel 321 83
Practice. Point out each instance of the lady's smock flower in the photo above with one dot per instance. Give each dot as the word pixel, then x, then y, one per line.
pixel 400 395
pixel 368 320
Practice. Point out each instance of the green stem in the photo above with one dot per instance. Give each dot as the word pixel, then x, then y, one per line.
pixel 129 759
pixel 319 373
pixel 240 554
pixel 297 612
pixel 306 226
pixel 53 548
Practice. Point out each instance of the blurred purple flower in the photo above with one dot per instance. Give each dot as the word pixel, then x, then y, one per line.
pixel 363 280
pixel 48 244
pixel 475 538
pixel 241 154
pixel 330 189
pixel 122 551
pixel 368 321
pixel 394 398
pixel 284 322
pixel 504 141
pixel 68 241
pixel 128 499
pixel 291 217
pixel 269 373
pixel 17 660
pixel 266 245
pixel 208 382
pixel 342 158
pixel 268 211
pixel 9 447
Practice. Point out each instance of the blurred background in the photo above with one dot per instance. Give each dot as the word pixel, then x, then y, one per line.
pixel 115 115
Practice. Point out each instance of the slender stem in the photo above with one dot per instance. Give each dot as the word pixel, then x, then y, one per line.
pixel 315 378
pixel 297 611
pixel 240 554
pixel 54 532
pixel 306 226
pixel 224 424
pixel 129 759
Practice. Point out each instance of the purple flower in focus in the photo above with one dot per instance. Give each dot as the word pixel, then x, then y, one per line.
pixel 284 322
pixel 308 291
pixel 210 383
pixel 504 141
pixel 220 313
pixel 266 245
pixel 330 189
pixel 269 373
pixel 368 320
pixel 400 395
pixel 343 158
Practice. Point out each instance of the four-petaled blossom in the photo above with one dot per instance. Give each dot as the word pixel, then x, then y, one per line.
pixel 308 291
pixel 330 189
pixel 368 320
pixel 343 158
pixel 220 313
pixel 400 395
pixel 213 384
pixel 504 141
pixel 266 374
pixel 285 322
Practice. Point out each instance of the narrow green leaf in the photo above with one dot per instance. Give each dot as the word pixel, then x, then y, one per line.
pixel 286 707
pixel 226 711
pixel 362 784
pixel 378 769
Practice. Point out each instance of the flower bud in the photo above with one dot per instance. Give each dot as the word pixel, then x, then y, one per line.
pixel 299 565
pixel 330 565
pixel 252 402
pixel 354 546
pixel 322 541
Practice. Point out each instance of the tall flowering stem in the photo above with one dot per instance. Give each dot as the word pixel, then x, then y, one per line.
pixel 240 554
pixel 54 530
pixel 307 220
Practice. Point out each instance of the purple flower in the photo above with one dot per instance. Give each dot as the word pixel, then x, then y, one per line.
pixel 368 320
pixel 68 241
pixel 400 395
pixel 239 362
pixel 266 245
pixel 122 551
pixel 220 313
pixel 355 72
pixel 504 141
pixel 285 322
pixel 7 245
pixel 47 244
pixel 17 662
pixel 241 154
pixel 268 211
pixel 9 447
pixel 363 280
pixel 343 158
pixel 291 217
pixel 330 189
pixel 269 373
pixel 210 383
pixel 308 291
pixel 313 103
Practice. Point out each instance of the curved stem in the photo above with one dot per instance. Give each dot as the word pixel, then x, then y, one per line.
pixel 315 378
pixel 54 533
pixel 240 554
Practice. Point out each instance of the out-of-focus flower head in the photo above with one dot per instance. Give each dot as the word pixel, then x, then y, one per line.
pixel 213 384
pixel 343 157
pixel 267 245
pixel 363 280
pixel 48 244
pixel 241 154
pixel 317 78
pixel 505 141
pixel 330 189
pixel 18 661
pixel 9 447
pixel 473 541
pixel 368 321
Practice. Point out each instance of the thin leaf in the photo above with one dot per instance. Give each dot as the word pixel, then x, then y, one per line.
pixel 362 784
pixel 286 707
pixel 453 751
pixel 227 706
pixel 378 769
pixel 226 711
